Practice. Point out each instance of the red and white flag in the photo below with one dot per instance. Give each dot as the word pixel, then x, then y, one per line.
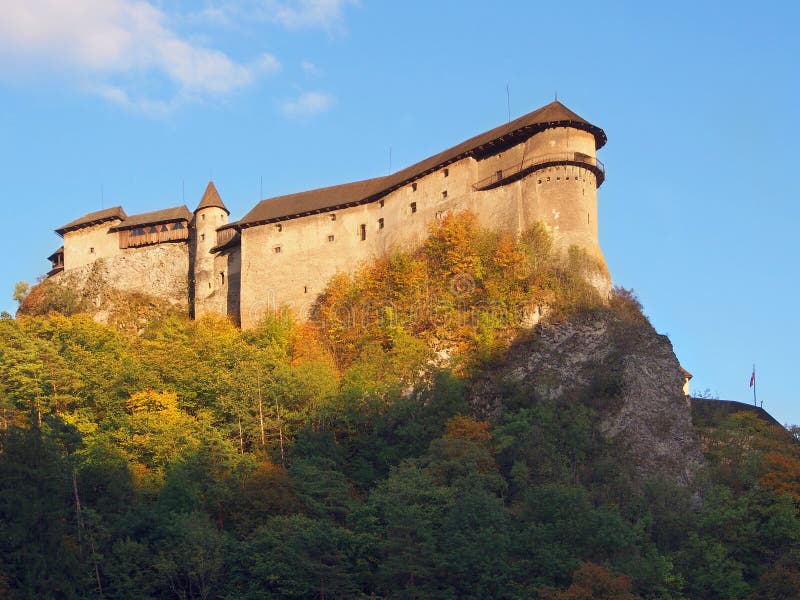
pixel 753 378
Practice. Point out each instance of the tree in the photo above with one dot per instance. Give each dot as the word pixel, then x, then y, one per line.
pixel 593 582
pixel 21 289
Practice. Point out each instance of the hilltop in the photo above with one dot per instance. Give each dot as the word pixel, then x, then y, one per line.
pixel 468 420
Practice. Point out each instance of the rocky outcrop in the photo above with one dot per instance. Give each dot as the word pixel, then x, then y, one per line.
pixel 615 362
pixel 128 290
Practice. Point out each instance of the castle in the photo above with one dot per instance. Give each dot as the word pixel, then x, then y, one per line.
pixel 540 167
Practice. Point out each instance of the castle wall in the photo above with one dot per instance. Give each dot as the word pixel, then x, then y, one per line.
pixel 86 245
pixel 289 263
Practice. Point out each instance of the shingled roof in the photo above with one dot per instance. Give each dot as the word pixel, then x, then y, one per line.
pixel 167 215
pixel 93 218
pixel 495 140
pixel 211 199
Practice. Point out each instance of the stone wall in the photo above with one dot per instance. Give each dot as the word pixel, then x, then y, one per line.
pixel 85 246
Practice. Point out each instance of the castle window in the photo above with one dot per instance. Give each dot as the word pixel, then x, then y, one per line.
pixel 153 229
pixel 202 217
pixel 333 217
pixel 413 207
pixel 447 172
pixel 138 231
pixel 499 174
pixel 305 289
pixel 202 236
pixel 444 193
pixel 164 228
pixel 540 181
pixel 177 226
pixel 439 215
pixel 330 238
pixel 380 223
pixel 91 250
pixel 414 187
pixel 279 227
pixel 363 231
pixel 277 249
pixel 587 218
pixel 381 203
pixel 548 179
pixel 222 278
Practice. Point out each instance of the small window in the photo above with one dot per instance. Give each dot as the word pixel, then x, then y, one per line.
pixel 305 289
pixel 330 238
pixel 163 229
pixel 177 226
pixel 137 232
pixel 202 236
pixel 587 218
pixel 499 174
pixel 277 249
pixel 380 223
pixel 363 232
pixel 444 193
pixel 222 278
pixel 153 229
pixel 202 217
pixel 539 181
pixel 91 250
pixel 279 227
pixel 414 187
pixel 439 215
pixel 333 217
pixel 447 172
pixel 413 207
pixel 381 203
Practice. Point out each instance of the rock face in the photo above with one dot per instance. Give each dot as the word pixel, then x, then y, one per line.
pixel 126 289
pixel 620 366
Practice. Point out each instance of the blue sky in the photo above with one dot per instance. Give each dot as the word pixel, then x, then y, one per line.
pixel 140 102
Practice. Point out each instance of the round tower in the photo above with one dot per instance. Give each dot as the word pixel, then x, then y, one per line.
pixel 564 176
pixel 209 215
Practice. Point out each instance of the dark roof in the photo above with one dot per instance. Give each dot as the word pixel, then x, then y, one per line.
pixel 495 140
pixel 685 373
pixel 93 218
pixel 167 215
pixel 211 199
pixel 236 240
pixel 56 253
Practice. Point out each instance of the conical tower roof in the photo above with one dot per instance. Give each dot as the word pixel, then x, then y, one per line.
pixel 211 199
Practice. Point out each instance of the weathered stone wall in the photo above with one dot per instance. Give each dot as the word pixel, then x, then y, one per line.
pixel 86 245
pixel 290 263
pixel 161 272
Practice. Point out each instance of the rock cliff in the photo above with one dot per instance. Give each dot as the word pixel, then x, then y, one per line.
pixel 127 290
pixel 615 362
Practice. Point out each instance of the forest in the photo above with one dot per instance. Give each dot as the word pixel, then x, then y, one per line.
pixel 341 457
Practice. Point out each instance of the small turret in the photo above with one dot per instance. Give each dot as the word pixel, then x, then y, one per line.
pixel 210 214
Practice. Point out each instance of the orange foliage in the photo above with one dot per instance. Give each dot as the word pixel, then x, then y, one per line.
pixel 783 474
pixel 593 582
pixel 465 428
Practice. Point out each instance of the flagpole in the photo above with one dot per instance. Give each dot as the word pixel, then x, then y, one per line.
pixel 754 385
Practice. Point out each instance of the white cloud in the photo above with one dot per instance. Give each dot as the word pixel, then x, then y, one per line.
pixel 291 14
pixel 307 104
pixel 297 14
pixel 308 67
pixel 103 40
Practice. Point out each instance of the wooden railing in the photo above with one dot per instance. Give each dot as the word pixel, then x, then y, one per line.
pixel 514 172
pixel 225 235
pixel 133 238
